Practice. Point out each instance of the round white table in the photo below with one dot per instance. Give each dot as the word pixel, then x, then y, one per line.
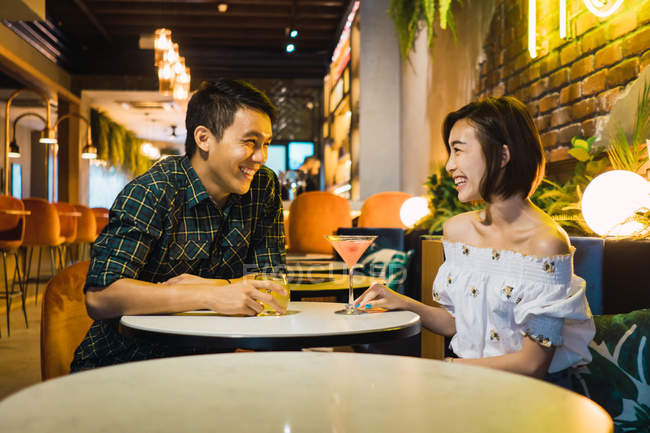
pixel 299 392
pixel 307 324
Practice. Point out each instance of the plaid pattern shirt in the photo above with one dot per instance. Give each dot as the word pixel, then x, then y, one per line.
pixel 164 223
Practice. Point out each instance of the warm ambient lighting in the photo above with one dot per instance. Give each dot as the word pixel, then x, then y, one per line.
pixel 532 28
pixel 562 19
pixel 173 75
pixel 14 149
pixel 600 9
pixel 413 210
pixel 611 199
pixel 46 100
pixel 89 151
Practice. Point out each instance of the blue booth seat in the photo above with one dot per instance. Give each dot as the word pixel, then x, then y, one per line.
pixel 588 264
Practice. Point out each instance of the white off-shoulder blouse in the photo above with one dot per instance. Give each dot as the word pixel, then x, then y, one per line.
pixel 499 296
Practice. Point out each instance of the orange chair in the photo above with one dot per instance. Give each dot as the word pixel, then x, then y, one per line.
pixel 381 210
pixel 64 320
pixel 12 233
pixel 101 218
pixel 314 215
pixel 69 224
pixel 42 230
pixel 86 229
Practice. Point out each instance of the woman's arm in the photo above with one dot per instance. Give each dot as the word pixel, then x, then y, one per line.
pixel 532 360
pixel 435 319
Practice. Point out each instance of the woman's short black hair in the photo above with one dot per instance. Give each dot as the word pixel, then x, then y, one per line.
pixel 214 106
pixel 500 121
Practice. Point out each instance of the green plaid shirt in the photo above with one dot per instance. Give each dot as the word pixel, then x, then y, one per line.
pixel 164 223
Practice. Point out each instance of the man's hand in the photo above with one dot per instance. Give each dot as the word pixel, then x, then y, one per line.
pixel 245 297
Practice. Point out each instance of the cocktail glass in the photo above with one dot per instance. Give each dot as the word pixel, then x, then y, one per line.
pixel 350 248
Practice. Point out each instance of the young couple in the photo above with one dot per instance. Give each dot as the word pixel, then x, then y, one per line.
pixel 180 235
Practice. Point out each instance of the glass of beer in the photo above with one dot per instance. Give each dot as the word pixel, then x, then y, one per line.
pixel 279 278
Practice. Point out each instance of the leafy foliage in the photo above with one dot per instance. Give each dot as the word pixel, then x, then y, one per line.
pixel 443 201
pixel 409 14
pixel 617 377
pixel 116 145
pixel 562 201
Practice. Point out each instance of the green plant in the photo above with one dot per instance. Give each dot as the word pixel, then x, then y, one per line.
pixel 562 201
pixel 409 14
pixel 628 155
pixel 116 145
pixel 444 203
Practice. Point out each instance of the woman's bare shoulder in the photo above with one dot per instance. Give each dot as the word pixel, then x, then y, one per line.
pixel 550 240
pixel 459 227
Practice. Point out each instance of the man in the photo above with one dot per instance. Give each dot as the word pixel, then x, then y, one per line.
pixel 181 233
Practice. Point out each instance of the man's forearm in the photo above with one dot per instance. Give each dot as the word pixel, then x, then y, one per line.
pixel 129 296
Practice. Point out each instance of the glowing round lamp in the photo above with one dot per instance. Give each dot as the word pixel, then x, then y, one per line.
pixel 613 197
pixel 413 210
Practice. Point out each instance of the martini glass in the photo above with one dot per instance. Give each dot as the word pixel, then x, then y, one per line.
pixel 350 248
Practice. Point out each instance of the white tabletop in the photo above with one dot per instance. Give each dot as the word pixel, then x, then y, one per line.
pixel 299 392
pixel 307 324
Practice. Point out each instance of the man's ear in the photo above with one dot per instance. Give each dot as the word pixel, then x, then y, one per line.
pixel 202 137
pixel 505 155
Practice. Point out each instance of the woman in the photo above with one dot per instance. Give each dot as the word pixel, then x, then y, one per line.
pixel 507 293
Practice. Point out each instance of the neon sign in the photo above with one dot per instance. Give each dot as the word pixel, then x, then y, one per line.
pixel 600 8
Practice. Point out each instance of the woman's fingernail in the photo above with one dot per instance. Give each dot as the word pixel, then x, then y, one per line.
pixel 357 305
pixel 367 306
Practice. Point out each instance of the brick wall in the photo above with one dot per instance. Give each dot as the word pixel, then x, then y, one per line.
pixel 573 82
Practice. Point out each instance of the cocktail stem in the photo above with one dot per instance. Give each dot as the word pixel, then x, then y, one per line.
pixel 351 293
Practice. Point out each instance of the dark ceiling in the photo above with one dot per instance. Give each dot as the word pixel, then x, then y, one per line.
pixel 101 37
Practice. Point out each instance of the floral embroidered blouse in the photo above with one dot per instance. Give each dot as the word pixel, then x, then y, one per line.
pixel 499 296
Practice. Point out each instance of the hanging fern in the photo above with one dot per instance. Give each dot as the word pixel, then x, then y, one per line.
pixel 408 15
pixel 116 145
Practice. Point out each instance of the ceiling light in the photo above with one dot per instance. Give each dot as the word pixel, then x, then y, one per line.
pixel 290 48
pixel 47 136
pixel 14 150
pixel 222 7
pixel 293 33
pixel 125 105
pixel 89 152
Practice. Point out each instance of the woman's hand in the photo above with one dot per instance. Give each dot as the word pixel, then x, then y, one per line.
pixel 380 296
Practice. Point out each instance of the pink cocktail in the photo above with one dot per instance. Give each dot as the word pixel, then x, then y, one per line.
pixel 350 248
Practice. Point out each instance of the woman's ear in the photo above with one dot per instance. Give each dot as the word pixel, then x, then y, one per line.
pixel 505 155
pixel 202 137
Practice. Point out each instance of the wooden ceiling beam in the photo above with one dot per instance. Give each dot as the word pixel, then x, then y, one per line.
pixel 288 3
pixel 174 22
pixel 217 34
pixel 211 11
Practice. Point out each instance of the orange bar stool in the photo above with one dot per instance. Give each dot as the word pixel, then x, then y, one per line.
pixel 42 230
pixel 68 216
pixel 381 210
pixel 86 230
pixel 101 218
pixel 12 234
pixel 314 215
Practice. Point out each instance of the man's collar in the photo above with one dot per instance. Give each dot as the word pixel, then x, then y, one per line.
pixel 195 192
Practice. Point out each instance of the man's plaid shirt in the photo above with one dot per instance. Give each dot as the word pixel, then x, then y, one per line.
pixel 164 223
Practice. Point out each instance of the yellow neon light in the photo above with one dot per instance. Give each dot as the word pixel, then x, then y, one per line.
pixel 562 19
pixel 532 28
pixel 598 7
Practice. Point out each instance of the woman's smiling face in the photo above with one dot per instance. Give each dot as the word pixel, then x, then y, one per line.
pixel 466 162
